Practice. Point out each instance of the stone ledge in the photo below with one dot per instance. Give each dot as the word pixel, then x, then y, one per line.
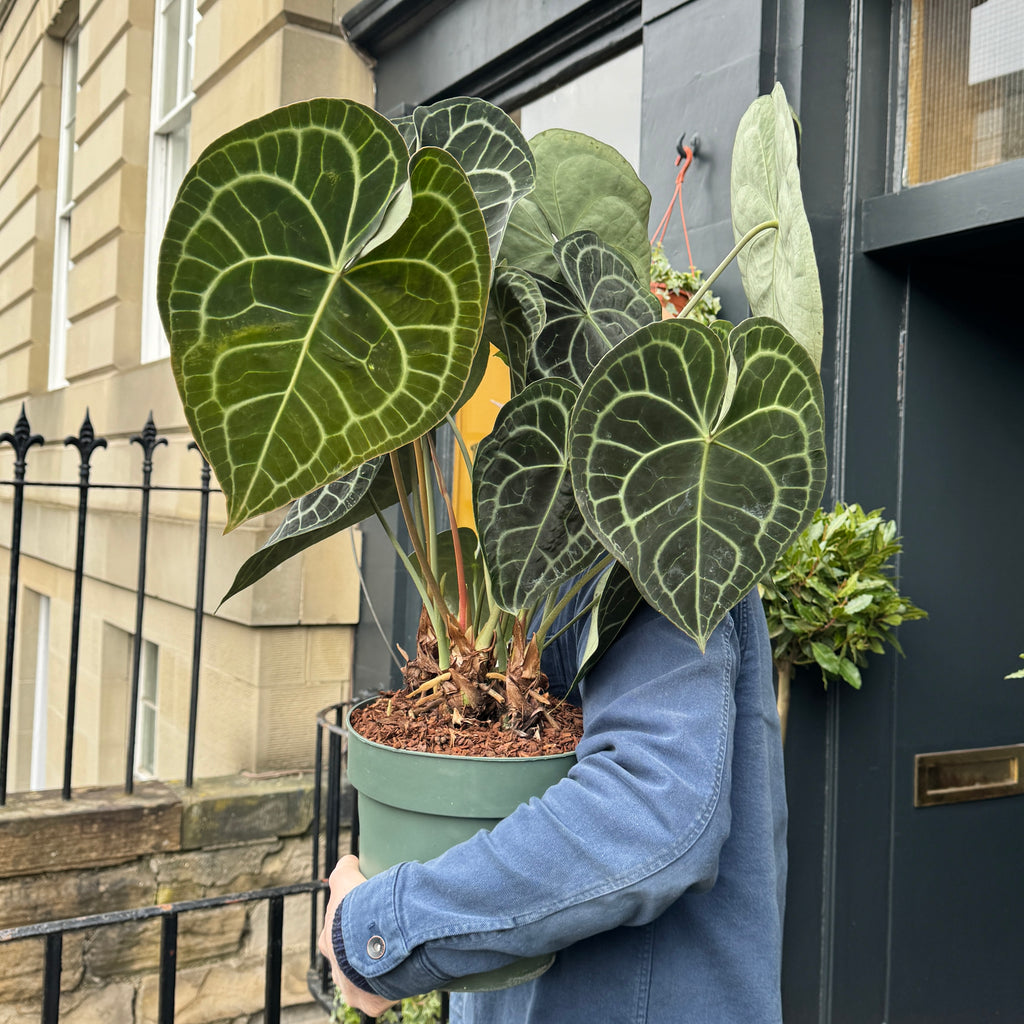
pixel 97 827
pixel 240 809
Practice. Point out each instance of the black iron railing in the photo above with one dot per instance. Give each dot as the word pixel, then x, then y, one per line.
pixel 53 932
pixel 21 439
pixel 334 804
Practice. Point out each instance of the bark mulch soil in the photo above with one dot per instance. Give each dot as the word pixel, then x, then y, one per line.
pixel 394 721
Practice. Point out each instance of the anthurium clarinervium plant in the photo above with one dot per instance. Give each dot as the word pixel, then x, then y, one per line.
pixel 329 281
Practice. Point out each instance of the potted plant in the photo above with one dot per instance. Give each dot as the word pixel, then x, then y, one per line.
pixel 674 289
pixel 831 599
pixel 325 281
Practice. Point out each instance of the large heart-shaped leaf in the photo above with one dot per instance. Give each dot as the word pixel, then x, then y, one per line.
pixel 324 512
pixel 300 351
pixel 779 271
pixel 489 147
pixel 533 535
pixel 582 185
pixel 600 303
pixel 698 500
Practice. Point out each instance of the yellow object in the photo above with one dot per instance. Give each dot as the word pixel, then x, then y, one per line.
pixel 475 420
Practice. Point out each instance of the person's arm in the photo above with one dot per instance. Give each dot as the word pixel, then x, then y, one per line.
pixel 640 819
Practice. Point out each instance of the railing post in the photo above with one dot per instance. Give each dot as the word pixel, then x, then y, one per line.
pixel 53 956
pixel 168 968
pixel 272 977
pixel 148 441
pixel 314 909
pixel 21 440
pixel 197 629
pixel 86 443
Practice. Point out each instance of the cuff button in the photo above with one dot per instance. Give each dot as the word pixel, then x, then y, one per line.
pixel 375 947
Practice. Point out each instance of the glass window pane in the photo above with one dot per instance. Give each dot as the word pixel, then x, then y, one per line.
pixel 149 663
pixel 171 57
pixel 965 87
pixel 177 162
pixel 603 102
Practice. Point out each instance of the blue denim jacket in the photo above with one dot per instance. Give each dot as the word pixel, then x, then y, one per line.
pixel 656 869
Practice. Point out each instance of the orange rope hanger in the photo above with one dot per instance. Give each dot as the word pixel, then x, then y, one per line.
pixel 686 158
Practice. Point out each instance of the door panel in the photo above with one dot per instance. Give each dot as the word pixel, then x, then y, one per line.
pixel 958 897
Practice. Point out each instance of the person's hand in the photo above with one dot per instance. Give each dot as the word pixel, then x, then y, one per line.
pixel 344 878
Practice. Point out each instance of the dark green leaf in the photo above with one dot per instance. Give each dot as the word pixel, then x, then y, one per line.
pixel 617 599
pixel 698 500
pixel 533 535
pixel 517 315
pixel 489 147
pixel 325 512
pixel 600 303
pixel 780 273
pixel 299 349
pixel 582 185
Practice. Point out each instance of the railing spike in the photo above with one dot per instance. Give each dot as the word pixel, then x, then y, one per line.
pixel 148 440
pixel 22 438
pixel 86 442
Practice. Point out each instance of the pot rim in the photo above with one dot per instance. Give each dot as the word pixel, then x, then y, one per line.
pixel 348 729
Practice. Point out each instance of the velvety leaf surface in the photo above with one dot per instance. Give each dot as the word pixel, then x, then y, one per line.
pixel 698 500
pixel 582 185
pixel 489 147
pixel 324 512
pixel 300 351
pixel 532 532
pixel 779 271
pixel 596 304
pixel 516 318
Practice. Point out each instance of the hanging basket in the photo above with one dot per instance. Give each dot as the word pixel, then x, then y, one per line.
pixel 672 302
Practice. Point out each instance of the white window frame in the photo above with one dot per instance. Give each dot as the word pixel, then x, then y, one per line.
pixel 168 128
pixel 148 712
pixel 66 146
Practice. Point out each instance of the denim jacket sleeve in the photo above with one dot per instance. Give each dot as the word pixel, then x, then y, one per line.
pixel 640 819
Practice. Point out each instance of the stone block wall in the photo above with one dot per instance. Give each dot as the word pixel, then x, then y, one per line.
pixel 105 851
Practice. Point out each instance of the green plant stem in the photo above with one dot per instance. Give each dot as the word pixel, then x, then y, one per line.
pixel 443 656
pixel 580 582
pixel 460 568
pixel 733 253
pixel 431 592
pixel 467 459
pixel 424 483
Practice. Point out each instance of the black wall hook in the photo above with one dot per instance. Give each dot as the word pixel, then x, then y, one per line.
pixel 694 145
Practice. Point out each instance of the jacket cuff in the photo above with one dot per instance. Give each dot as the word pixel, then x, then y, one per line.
pixel 338 941
pixel 366 929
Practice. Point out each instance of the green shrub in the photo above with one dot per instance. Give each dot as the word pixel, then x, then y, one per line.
pixel 831 599
pixel 425 1009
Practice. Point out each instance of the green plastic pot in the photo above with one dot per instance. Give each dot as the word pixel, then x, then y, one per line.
pixel 414 806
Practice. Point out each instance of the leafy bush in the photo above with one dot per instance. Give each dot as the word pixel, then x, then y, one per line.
pixel 831 598
pixel 425 1009
pixel 672 280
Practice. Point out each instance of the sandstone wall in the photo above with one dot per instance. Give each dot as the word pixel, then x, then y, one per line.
pixel 105 851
